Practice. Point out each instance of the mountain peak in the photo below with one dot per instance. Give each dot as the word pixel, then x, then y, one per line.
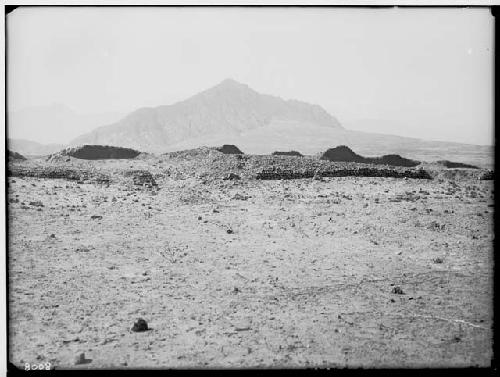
pixel 230 82
pixel 228 108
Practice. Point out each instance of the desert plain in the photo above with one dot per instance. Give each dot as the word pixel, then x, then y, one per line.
pixel 348 271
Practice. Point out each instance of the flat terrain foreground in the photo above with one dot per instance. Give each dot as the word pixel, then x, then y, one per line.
pixel 252 273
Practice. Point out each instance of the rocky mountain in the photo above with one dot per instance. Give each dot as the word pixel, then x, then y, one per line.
pixel 230 109
pixel 233 113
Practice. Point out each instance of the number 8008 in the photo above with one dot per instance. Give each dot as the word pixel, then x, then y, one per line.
pixel 41 366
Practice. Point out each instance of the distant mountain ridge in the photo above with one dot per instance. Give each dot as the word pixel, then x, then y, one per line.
pixel 233 113
pixel 227 109
pixel 54 122
pixel 32 148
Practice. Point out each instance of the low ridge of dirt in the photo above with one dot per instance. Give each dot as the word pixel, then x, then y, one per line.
pixel 453 165
pixel 394 160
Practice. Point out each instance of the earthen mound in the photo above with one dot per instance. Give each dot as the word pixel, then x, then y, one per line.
pixel 229 149
pixel 395 160
pixel 291 153
pixel 345 154
pixel 16 156
pixel 100 152
pixel 453 165
pixel 342 153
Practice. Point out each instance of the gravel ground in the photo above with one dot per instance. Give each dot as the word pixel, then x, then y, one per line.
pixel 352 271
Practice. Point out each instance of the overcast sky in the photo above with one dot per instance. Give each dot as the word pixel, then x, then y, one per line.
pixel 413 72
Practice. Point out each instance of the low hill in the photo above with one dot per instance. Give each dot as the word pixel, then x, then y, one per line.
pixel 229 149
pixel 343 153
pixel 394 160
pixel 453 165
pixel 16 156
pixel 99 152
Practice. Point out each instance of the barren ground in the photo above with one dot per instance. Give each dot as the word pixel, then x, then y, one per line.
pixel 305 278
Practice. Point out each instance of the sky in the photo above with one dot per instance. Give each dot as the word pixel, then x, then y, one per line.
pixel 420 72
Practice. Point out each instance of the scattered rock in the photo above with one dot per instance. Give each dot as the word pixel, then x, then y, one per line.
pixel 232 176
pixel 317 176
pixel 229 231
pixel 242 325
pixel 434 225
pixel 80 359
pixel 36 204
pixel 142 178
pixel 140 326
pixel 76 339
pixel 238 196
pixel 397 291
pixel 438 260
